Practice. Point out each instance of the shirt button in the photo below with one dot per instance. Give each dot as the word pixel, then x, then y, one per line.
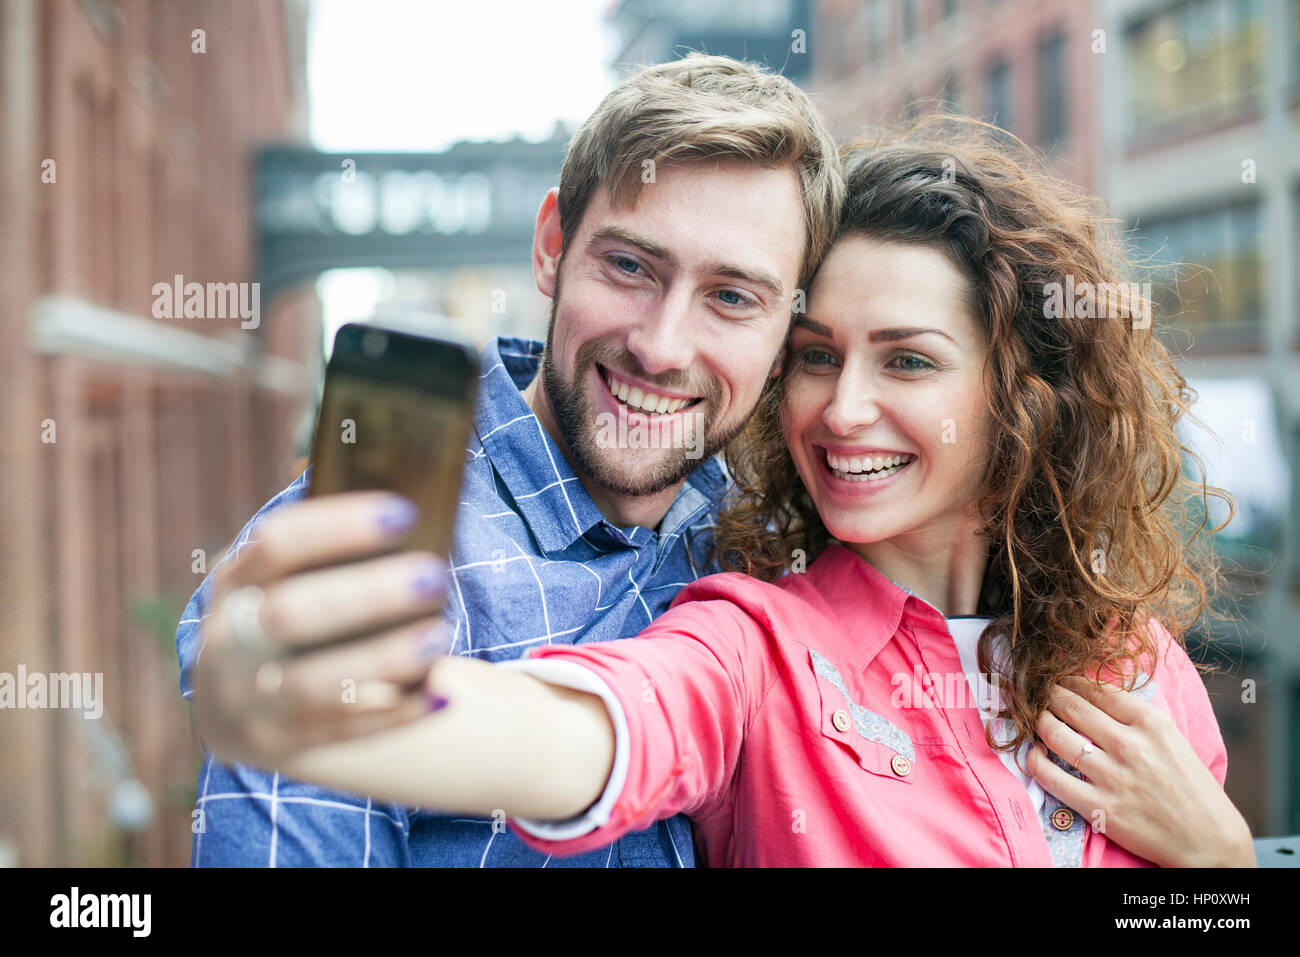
pixel 841 720
pixel 902 767
pixel 1062 818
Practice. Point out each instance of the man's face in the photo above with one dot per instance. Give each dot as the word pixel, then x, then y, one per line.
pixel 667 319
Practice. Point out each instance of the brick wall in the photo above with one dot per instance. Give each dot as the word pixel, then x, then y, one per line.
pixel 157 452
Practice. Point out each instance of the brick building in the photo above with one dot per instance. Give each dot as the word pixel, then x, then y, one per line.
pixel 1029 66
pixel 134 444
pixel 1198 148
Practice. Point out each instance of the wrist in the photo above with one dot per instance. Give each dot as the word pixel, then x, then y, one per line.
pixel 1235 848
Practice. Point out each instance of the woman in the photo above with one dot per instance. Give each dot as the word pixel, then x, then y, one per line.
pixel 962 481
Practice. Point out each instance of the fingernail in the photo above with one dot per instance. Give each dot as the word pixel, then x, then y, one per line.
pixel 436 702
pixel 397 515
pixel 432 643
pixel 431 578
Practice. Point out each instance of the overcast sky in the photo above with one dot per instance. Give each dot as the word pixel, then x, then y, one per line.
pixel 413 75
pixel 422 74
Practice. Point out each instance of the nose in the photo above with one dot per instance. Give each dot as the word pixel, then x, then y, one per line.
pixel 855 403
pixel 663 340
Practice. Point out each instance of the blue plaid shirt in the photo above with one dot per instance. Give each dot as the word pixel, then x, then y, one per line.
pixel 535 562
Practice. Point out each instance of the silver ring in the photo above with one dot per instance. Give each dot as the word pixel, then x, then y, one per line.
pixel 244 605
pixel 1088 748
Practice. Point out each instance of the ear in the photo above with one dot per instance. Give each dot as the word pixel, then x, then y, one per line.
pixel 548 243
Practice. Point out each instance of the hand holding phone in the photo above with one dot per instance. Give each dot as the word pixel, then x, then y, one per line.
pixel 324 627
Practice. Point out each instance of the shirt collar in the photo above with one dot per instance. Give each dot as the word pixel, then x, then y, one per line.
pixel 878 602
pixel 546 490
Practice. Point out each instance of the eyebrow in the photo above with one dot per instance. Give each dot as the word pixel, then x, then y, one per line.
pixel 879 335
pixel 758 277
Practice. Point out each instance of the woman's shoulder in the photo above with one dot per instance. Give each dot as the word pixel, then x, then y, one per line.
pixel 1164 656
pixel 795 597
pixel 1158 660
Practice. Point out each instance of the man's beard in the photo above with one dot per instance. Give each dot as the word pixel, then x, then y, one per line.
pixel 576 419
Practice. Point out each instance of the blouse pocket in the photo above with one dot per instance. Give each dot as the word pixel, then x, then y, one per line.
pixel 881 746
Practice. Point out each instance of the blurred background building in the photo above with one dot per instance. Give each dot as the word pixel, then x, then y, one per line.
pixel 327 151
pixel 1199 151
pixel 133 447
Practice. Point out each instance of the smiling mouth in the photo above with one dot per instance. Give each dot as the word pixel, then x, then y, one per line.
pixel 865 468
pixel 637 399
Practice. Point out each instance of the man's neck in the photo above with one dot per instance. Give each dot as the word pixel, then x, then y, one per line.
pixel 620 510
pixel 944 565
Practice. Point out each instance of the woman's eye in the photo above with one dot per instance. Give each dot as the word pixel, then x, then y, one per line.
pixel 911 362
pixel 813 357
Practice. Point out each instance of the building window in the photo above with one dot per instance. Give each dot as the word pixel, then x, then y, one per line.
pixel 997 94
pixel 1193 65
pixel 1054 105
pixel 1208 267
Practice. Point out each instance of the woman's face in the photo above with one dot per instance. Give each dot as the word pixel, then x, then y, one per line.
pixel 885 412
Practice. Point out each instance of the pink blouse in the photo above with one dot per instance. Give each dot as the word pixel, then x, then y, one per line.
pixel 825 720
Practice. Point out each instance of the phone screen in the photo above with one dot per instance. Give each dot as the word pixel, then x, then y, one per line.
pixel 396 414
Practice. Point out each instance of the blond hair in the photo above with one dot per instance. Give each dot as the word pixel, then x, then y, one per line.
pixel 704 107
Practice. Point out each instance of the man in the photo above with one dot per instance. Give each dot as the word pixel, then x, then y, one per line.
pixel 692 205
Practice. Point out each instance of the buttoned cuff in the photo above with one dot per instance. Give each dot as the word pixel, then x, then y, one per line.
pixel 570 675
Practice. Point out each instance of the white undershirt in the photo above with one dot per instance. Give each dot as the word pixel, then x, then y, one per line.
pixel 966 635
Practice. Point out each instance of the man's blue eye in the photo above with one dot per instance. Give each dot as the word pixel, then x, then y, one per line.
pixel 738 299
pixel 621 260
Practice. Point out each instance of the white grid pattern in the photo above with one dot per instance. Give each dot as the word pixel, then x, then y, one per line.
pixel 515 507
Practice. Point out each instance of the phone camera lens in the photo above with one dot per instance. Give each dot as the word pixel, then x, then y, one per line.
pixel 374 344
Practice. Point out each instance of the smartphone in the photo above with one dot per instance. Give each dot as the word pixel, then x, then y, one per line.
pixel 396 414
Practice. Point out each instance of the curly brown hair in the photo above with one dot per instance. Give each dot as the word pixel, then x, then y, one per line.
pixel 1094 527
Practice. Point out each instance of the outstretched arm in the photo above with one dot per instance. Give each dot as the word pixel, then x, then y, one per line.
pixel 505 741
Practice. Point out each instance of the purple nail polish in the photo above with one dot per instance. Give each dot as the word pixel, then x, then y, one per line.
pixel 397 515
pixel 431 579
pixel 436 703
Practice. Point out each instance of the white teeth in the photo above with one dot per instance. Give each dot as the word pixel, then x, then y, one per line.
pixel 644 401
pixel 866 468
